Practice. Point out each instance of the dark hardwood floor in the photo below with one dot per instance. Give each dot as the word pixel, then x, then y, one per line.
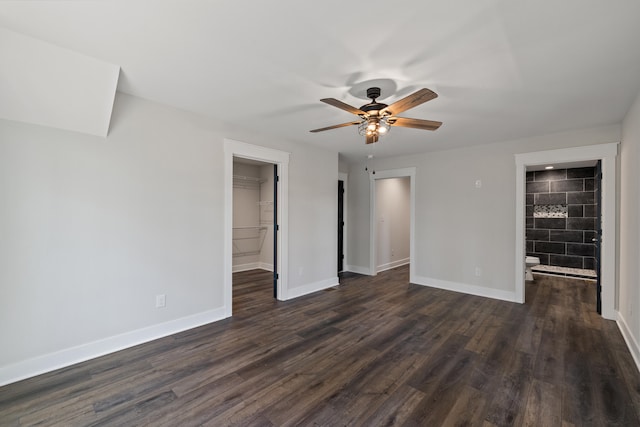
pixel 374 352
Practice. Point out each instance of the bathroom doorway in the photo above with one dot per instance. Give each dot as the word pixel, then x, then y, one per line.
pixel 562 220
pixel 602 157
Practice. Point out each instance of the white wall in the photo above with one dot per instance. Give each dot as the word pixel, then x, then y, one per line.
pixel 93 229
pixel 629 275
pixel 392 222
pixel 458 226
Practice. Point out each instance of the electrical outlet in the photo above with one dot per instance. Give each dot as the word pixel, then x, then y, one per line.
pixel 161 301
pixel 478 272
pixel 478 183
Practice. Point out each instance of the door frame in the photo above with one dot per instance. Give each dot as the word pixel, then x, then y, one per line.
pixel 384 174
pixel 607 153
pixel 233 149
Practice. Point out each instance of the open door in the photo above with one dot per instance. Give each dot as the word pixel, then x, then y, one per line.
pixel 275 231
pixel 340 226
pixel 597 239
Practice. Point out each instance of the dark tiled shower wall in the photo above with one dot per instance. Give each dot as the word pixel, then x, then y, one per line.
pixel 564 242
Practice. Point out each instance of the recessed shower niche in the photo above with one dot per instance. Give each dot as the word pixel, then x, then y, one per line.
pixel 550 211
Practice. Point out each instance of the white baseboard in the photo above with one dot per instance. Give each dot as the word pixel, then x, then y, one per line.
pixel 357 269
pixel 634 348
pixel 312 287
pixel 464 288
pixel 245 267
pixel 252 266
pixel 70 356
pixel 265 266
pixel 393 264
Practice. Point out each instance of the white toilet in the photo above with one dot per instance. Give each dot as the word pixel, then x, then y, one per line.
pixel 530 262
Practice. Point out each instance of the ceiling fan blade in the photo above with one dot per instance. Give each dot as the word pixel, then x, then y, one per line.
pixel 413 100
pixel 335 126
pixel 414 123
pixel 370 139
pixel 341 105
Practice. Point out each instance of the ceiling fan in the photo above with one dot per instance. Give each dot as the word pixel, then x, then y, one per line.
pixel 376 118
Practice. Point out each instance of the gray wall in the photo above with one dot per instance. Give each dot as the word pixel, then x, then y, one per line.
pixel 94 228
pixel 393 220
pixel 629 276
pixel 460 227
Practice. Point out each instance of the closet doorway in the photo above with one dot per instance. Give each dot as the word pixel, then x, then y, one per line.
pixel 255 197
pixel 278 160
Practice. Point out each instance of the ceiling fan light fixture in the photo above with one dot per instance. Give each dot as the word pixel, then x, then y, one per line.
pixel 373 126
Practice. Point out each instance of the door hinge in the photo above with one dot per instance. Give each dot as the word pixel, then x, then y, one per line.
pixel 276 276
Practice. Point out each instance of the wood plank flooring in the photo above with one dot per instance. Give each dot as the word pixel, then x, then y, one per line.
pixel 374 352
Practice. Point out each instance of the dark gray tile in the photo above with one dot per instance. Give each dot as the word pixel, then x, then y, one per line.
pixel 534 234
pixel 551 223
pixel 529 223
pixel 551 175
pixel 529 176
pixel 566 236
pixel 529 199
pixel 550 199
pixel 589 263
pixel 580 224
pixel 575 211
pixel 565 261
pixel 580 198
pixel 529 246
pixel 589 184
pixel 567 185
pixel 589 236
pixel 538 187
pixel 549 247
pixel 581 173
pixel 529 211
pixel 581 249
pixel 590 211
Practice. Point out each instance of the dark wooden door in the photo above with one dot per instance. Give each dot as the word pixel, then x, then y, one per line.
pixel 340 226
pixel 275 230
pixel 597 239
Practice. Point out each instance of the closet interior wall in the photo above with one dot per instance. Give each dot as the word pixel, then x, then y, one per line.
pixel 252 216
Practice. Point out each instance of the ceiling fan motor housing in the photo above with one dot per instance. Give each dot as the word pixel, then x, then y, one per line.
pixel 373 93
pixel 373 107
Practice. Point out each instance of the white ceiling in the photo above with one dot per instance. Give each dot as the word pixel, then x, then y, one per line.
pixel 503 69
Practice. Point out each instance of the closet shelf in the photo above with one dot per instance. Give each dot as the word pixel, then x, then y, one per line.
pixel 249 178
pixel 254 235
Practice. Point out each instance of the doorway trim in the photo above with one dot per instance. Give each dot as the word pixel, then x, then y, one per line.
pixel 384 174
pixel 233 149
pixel 607 153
